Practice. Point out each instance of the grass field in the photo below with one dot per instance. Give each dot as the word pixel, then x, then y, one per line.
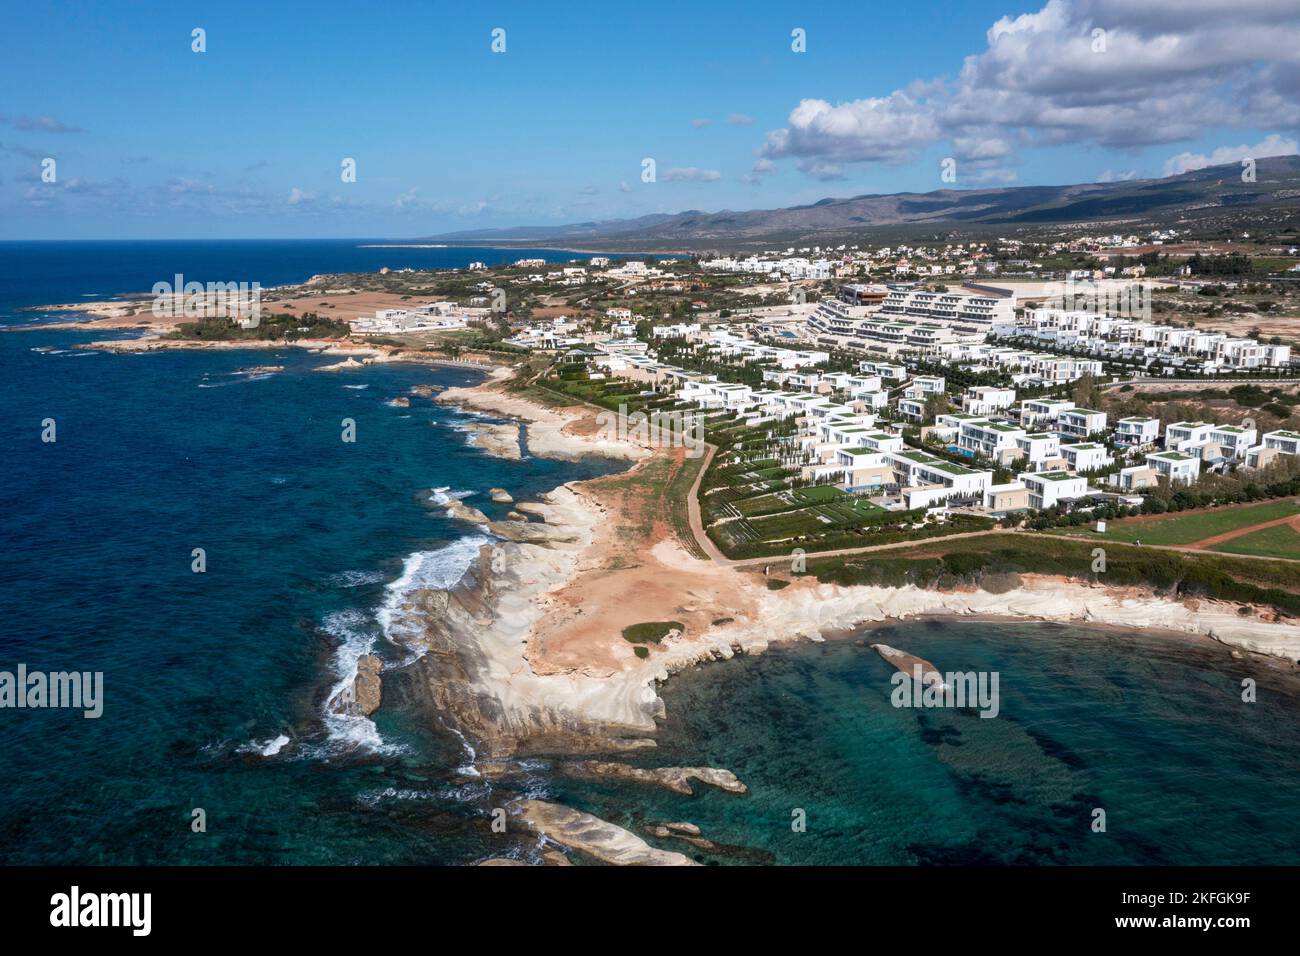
pixel 1279 541
pixel 949 563
pixel 1188 527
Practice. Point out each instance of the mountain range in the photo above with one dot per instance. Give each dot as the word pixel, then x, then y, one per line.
pixel 1211 198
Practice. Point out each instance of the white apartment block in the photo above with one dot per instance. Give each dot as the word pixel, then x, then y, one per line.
pixel 911 410
pixel 1181 436
pixel 1121 337
pixel 1047 488
pixel 676 330
pixel 1234 440
pixel 1136 432
pixel 1288 443
pixel 928 480
pixel 987 400
pixel 896 374
pixel 974 311
pixel 923 386
pixel 1036 412
pixel 1175 465
pixel 1081 422
pixel 1087 456
pixel 1039 448
pixel 989 439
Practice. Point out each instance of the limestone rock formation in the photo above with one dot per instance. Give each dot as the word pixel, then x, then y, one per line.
pixel 592 836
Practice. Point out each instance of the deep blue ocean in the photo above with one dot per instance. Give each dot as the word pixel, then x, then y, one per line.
pixel 215 684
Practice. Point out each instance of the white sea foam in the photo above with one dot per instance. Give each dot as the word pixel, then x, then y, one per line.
pixel 444 495
pixel 356 387
pixel 375 797
pixel 273 747
pixel 424 570
pixel 356 635
pixel 354 579
pixel 265 748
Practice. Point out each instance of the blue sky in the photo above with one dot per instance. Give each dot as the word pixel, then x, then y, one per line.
pixel 151 139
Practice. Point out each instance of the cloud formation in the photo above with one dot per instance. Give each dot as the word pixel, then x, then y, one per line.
pixel 1110 73
pixel 690 174
pixel 39 124
pixel 1272 145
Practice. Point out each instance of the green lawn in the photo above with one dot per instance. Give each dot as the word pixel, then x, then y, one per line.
pixel 1190 526
pixel 1279 541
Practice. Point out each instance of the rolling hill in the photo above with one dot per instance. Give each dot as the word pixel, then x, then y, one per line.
pixel 1213 197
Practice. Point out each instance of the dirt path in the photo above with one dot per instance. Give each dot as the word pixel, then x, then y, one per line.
pixel 1210 542
pixel 910 543
pixel 693 512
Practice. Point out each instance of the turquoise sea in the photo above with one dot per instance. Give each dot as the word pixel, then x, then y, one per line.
pixel 215 683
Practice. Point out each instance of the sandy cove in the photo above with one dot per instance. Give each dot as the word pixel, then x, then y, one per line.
pixel 526 652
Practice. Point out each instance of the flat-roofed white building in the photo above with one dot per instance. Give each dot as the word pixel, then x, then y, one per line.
pixel 1037 412
pixel 1182 435
pixel 1047 488
pixel 1234 440
pixel 1136 432
pixel 1039 448
pixel 923 386
pixel 886 370
pixel 1135 478
pixel 1081 422
pixel 987 400
pixel 928 479
pixel 1286 442
pixel 988 439
pixel 1177 466
pixel 1087 456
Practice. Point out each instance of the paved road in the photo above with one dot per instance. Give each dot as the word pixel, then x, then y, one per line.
pixel 1200 381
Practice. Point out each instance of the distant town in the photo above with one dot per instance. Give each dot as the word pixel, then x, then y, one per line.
pixel 956 385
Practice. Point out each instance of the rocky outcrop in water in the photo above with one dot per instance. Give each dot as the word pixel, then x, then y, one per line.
pixel 496 439
pixel 366 689
pixel 907 663
pixel 500 496
pixel 687 832
pixel 677 779
pixel 592 836
pixel 462 512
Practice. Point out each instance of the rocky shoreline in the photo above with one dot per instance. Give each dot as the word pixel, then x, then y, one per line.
pixel 490 671
pixel 486 621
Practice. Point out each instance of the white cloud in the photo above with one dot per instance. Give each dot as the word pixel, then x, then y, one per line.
pixel 740 119
pixel 1102 72
pixel 39 124
pixel 298 197
pixel 1116 175
pixel 1272 145
pixel 701 123
pixel 690 174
